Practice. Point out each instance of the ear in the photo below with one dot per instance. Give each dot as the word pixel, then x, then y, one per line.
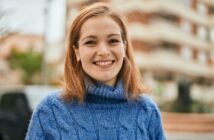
pixel 77 54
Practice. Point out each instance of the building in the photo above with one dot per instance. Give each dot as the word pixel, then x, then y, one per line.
pixel 173 41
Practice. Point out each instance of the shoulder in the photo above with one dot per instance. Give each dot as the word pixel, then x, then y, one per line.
pixel 51 99
pixel 147 102
pixel 149 107
pixel 154 120
pixel 52 111
pixel 42 123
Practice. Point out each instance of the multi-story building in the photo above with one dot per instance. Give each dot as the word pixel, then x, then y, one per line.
pixel 173 41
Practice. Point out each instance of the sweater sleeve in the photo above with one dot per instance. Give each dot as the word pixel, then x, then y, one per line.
pixel 42 124
pixel 35 131
pixel 155 126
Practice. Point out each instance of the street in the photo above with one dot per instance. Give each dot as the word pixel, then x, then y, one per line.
pixel 189 136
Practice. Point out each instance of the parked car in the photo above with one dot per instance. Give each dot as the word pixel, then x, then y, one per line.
pixel 16 107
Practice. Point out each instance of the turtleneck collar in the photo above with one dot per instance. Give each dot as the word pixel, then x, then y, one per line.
pixel 102 93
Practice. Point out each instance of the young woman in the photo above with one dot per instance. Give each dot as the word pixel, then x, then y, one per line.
pixel 103 96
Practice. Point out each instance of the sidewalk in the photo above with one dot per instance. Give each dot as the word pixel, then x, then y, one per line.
pixel 189 136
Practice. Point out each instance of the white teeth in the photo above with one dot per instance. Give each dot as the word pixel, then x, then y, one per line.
pixel 103 63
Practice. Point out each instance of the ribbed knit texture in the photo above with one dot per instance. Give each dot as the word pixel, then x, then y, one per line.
pixel 106 114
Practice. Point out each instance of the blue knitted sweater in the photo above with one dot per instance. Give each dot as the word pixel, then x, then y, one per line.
pixel 106 114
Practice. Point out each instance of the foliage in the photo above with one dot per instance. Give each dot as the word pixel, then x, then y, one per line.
pixel 184 102
pixel 29 62
pixel 192 107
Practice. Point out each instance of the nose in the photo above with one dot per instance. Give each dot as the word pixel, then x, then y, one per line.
pixel 103 49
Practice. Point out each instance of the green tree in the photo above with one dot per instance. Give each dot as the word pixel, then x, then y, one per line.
pixel 29 62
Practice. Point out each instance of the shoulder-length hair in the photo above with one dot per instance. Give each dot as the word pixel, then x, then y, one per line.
pixel 73 71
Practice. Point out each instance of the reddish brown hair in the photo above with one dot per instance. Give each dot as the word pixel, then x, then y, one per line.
pixel 73 72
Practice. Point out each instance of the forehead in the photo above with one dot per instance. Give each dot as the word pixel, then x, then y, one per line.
pixel 101 25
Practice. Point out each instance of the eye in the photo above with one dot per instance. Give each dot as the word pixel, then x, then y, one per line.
pixel 114 41
pixel 90 42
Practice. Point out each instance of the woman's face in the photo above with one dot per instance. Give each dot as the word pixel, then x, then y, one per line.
pixel 101 49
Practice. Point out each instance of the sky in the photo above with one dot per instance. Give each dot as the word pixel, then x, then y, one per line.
pixel 28 16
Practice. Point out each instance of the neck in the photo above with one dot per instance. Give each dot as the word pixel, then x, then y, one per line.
pixel 101 93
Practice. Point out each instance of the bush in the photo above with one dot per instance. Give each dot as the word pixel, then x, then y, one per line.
pixel 29 62
pixel 184 103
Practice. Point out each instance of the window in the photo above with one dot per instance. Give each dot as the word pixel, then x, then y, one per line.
pixel 201 7
pixel 202 32
pixel 212 35
pixel 202 57
pixel 186 26
pixel 186 52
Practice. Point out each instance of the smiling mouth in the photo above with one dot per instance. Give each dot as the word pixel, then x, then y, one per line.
pixel 104 63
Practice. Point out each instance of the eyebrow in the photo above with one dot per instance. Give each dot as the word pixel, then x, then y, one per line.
pixel 94 37
pixel 113 35
pixel 90 36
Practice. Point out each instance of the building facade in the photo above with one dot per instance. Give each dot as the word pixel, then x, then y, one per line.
pixel 173 42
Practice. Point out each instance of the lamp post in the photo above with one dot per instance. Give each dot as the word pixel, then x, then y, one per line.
pixel 44 75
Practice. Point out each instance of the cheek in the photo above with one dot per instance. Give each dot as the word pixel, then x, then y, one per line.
pixel 84 54
pixel 86 59
pixel 121 51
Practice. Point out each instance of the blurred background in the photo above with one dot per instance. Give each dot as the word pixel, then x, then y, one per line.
pixel 173 43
